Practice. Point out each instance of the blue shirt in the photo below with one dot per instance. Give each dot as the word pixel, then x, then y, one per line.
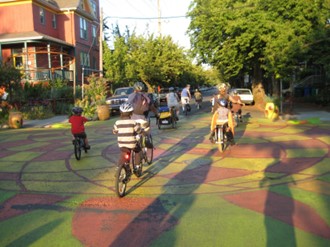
pixel 184 92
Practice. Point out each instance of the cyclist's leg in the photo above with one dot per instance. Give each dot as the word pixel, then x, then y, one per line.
pixel 138 153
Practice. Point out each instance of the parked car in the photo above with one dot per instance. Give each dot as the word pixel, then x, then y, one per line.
pixel 119 97
pixel 245 94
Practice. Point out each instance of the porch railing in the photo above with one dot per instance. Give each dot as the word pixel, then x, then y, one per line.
pixel 48 74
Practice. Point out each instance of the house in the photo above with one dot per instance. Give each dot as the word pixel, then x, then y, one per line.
pixel 50 39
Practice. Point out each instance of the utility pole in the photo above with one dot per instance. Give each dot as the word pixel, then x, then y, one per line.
pixel 101 43
pixel 159 19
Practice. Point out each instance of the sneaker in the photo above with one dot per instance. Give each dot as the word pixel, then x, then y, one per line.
pixel 87 146
pixel 211 138
pixel 232 142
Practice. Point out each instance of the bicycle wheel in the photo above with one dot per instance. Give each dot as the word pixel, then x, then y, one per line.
pixel 173 122
pixel 220 136
pixel 121 181
pixel 77 149
pixel 149 150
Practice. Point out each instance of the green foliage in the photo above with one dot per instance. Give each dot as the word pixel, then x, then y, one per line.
pixel 157 61
pixel 37 112
pixel 95 93
pixel 96 89
pixel 263 38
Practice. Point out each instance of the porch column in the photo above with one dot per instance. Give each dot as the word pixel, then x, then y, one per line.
pixel 49 62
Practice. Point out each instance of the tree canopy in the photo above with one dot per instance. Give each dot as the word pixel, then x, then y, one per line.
pixel 157 61
pixel 265 38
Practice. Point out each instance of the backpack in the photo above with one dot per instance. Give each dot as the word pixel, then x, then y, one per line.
pixel 140 103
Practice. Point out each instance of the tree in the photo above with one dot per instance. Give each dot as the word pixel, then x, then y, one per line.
pixel 263 38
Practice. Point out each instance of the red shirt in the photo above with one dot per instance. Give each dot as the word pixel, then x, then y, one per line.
pixel 77 124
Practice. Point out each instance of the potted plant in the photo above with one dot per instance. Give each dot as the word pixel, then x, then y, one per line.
pixel 95 95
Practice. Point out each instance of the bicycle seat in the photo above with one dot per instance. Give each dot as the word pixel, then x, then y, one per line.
pixel 221 122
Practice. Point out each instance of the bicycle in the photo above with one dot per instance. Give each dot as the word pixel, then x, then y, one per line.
pixel 78 144
pixel 220 137
pixel 186 107
pixel 124 171
pixel 147 147
pixel 123 174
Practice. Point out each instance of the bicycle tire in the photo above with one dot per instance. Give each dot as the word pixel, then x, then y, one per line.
pixel 121 181
pixel 77 149
pixel 220 136
pixel 149 152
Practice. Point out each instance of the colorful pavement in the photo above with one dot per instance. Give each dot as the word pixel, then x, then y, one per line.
pixel 271 189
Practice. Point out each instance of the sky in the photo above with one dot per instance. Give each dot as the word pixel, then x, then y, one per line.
pixel 143 16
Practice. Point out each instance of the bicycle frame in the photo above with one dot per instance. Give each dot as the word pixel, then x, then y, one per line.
pixel 220 137
pixel 79 144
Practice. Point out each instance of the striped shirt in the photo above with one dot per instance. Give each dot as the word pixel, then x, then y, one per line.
pixel 126 129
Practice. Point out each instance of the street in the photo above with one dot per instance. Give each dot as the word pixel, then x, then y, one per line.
pixel 270 189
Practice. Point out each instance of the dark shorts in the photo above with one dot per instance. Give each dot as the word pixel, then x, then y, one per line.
pixel 82 135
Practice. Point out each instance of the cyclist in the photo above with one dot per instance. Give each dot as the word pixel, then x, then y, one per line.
pixel 198 98
pixel 237 105
pixel 78 125
pixel 126 129
pixel 185 97
pixel 172 99
pixel 141 106
pixel 223 116
pixel 223 94
pixel 141 102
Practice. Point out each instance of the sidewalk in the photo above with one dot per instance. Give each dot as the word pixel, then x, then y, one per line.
pixel 45 123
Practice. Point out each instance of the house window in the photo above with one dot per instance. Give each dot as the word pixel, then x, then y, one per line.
pixel 93 4
pixel 94 35
pixel 84 59
pixel 83 28
pixel 54 21
pixel 42 16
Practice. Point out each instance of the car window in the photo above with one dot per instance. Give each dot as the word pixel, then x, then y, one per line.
pixel 123 91
pixel 243 92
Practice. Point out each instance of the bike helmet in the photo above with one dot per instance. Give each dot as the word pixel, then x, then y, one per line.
pixel 235 92
pixel 139 86
pixel 223 102
pixel 77 110
pixel 126 107
pixel 171 89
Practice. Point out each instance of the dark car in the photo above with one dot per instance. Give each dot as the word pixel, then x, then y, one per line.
pixel 119 97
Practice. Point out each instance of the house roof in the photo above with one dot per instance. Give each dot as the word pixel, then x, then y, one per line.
pixel 63 4
pixel 12 38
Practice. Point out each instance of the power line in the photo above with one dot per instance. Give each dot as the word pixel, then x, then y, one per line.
pixel 147 18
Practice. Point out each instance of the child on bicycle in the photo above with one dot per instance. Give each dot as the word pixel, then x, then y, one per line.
pixel 126 129
pixel 237 106
pixel 223 116
pixel 78 125
pixel 198 98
